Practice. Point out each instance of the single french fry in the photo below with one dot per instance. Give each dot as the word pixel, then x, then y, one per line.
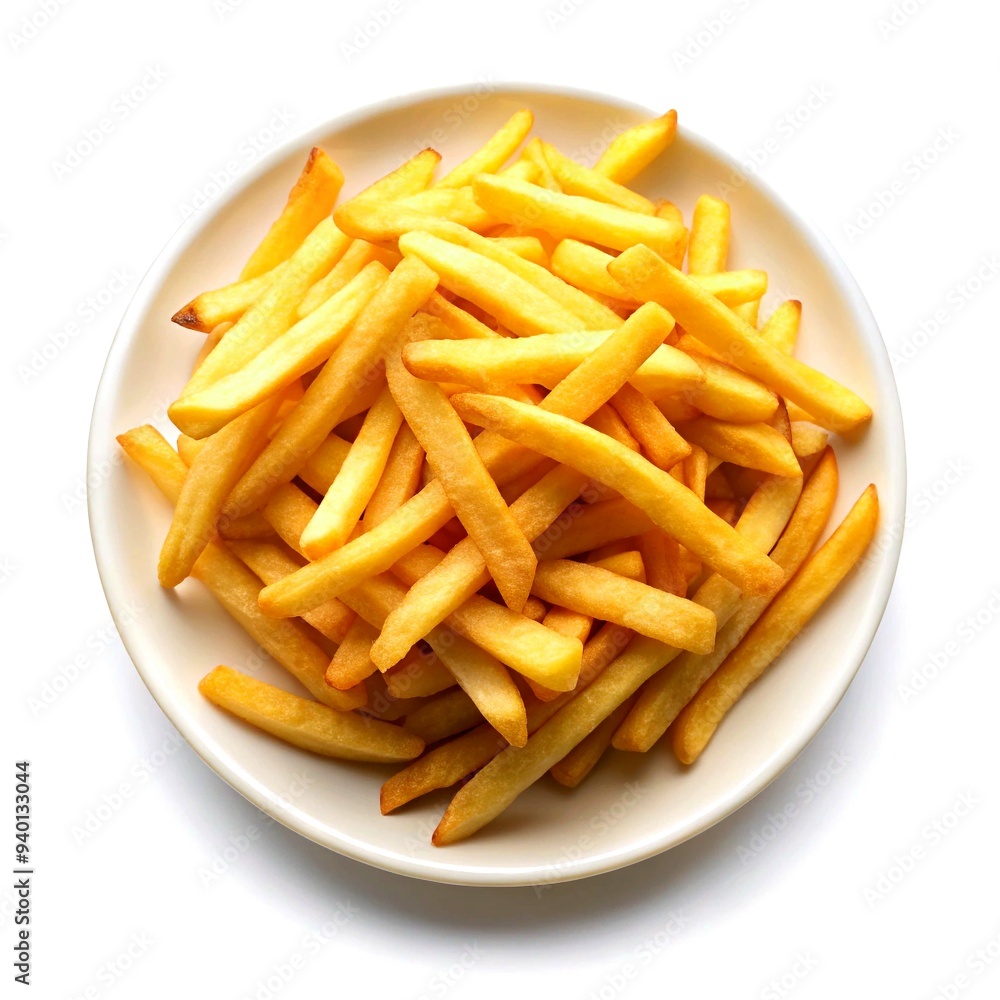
pixel 545 359
pixel 627 563
pixel 271 561
pixel 515 302
pixel 226 304
pixel 583 758
pixel 787 615
pixel 661 559
pixel 696 471
pixel 351 662
pixel 601 593
pixel 724 393
pixel 753 446
pixel 462 324
pixel 671 506
pixel 356 258
pixel 636 148
pixel 400 478
pixel 509 774
pixel 357 362
pixel 663 445
pixel 749 312
pixel 574 178
pixel 212 475
pixel 325 463
pixel 310 201
pixel 782 327
pixel 668 210
pixel 574 624
pixel 497 150
pixel 807 439
pixel 273 312
pixel 472 493
pixel 304 346
pixel 235 587
pixel 563 215
pixel 665 695
pixel 450 713
pixel 832 405
pixel 708 247
pixel 307 724
pixel 342 506
pixel 252 527
pixel 588 526
pixel 528 247
pixel 456 206
pixel 407 179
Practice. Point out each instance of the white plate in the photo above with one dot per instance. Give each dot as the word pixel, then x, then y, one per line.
pixel 633 806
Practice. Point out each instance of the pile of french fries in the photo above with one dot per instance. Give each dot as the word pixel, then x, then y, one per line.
pixel 503 469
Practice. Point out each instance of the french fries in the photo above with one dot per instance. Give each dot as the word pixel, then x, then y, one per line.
pixel 446 457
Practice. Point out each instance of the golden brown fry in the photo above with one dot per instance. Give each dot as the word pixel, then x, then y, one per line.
pixel 307 724
pixel 515 302
pixel 310 201
pixel 635 149
pixel 400 478
pixel 342 506
pixel 418 676
pixel 788 614
pixel 807 439
pixel 563 215
pixel 660 441
pixel 470 490
pixel 782 327
pixel 356 363
pixel 574 178
pixel 601 593
pixel 588 526
pixel 545 359
pixel 355 259
pixel 583 758
pixel 450 713
pixel 226 304
pixel 708 247
pixel 753 446
pixel 351 662
pixel 832 405
pixel 325 463
pixel 494 153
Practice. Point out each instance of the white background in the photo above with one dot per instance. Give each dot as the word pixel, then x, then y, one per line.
pixel 821 908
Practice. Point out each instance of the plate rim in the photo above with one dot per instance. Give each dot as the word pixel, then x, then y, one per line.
pixel 440 870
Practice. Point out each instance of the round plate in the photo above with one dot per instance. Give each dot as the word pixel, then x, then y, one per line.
pixel 632 806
